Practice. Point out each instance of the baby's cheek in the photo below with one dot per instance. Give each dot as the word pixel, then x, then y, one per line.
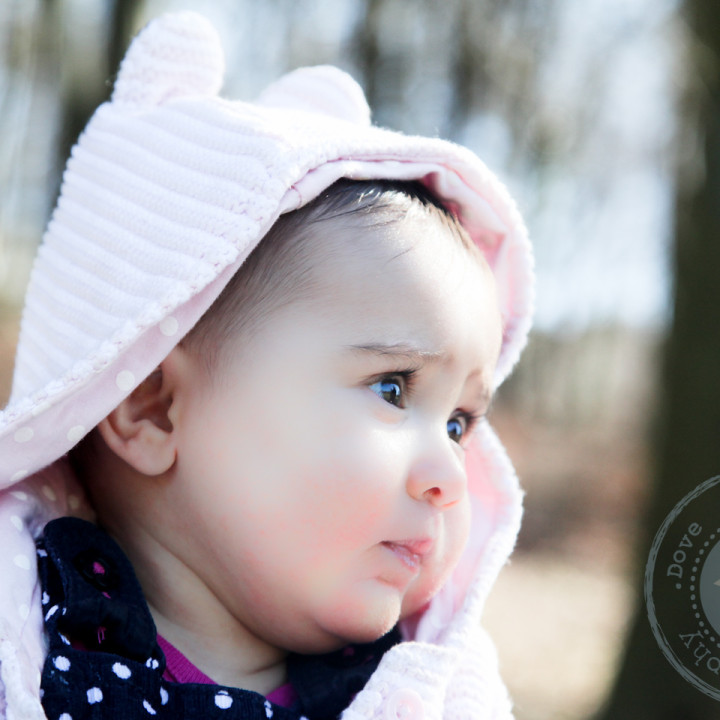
pixel 349 502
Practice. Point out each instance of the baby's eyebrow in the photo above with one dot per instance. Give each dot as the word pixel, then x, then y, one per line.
pixel 404 350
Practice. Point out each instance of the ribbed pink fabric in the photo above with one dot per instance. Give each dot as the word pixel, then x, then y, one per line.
pixel 178 668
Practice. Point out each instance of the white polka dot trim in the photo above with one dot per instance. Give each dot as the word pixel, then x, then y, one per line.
pixel 223 700
pixel 125 380
pixel 76 433
pixel 164 697
pixel 149 708
pixel 61 663
pixel 24 435
pixel 17 522
pixel 169 326
pixel 268 709
pixel 45 598
pixel 22 561
pixel 122 671
pixel 65 716
pixel 51 612
pixel 94 695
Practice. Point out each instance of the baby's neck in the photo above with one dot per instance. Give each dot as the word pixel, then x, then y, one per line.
pixel 192 618
pixel 225 661
pixel 186 611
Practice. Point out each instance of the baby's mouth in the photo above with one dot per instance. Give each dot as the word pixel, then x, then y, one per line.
pixel 410 552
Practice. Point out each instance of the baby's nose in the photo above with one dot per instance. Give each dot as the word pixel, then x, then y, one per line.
pixel 438 475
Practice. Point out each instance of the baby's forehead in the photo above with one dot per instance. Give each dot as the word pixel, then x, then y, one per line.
pixel 418 265
pixel 411 291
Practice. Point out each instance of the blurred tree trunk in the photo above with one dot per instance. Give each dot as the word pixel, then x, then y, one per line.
pixel 366 50
pixel 468 73
pixel 687 449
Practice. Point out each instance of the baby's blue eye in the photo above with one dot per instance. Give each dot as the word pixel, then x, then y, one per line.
pixel 456 429
pixel 390 389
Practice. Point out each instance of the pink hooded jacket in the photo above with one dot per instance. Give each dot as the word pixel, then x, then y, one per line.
pixel 168 190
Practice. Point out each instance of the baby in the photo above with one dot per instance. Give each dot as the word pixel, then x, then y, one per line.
pixel 258 347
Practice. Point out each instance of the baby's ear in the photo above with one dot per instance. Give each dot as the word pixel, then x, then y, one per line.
pixel 139 430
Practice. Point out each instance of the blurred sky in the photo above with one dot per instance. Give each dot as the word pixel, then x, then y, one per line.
pixel 598 202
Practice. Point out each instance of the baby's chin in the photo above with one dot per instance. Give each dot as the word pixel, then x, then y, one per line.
pixel 372 626
pixel 362 619
pixel 345 628
pixel 363 632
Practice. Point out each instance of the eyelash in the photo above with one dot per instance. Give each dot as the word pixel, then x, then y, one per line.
pixel 403 385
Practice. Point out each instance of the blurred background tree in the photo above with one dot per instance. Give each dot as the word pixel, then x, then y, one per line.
pixel 686 442
pixel 576 106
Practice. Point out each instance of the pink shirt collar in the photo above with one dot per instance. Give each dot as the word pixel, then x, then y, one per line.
pixel 180 670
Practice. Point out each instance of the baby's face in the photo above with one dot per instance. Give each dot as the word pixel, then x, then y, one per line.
pixel 320 481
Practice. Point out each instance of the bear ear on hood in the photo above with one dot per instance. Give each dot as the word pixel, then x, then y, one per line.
pixel 322 89
pixel 177 55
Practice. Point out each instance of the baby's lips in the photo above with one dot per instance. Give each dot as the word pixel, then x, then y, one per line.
pixel 411 552
pixel 421 547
